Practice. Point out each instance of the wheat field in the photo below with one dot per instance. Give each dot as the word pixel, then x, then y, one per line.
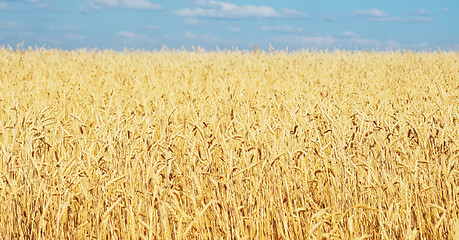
pixel 229 145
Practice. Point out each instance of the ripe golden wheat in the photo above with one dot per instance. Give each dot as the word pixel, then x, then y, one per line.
pixel 229 145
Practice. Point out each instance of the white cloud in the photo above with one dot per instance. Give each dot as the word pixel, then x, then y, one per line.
pixel 209 41
pixel 70 27
pixel 150 27
pixel 282 28
pixel 85 8
pixel 74 36
pixel 191 21
pixel 97 4
pixel 346 40
pixel 446 9
pixel 141 4
pixel 66 27
pixel 306 41
pixel 330 18
pixel 38 3
pixel 421 12
pixel 11 25
pixel 350 34
pixel 394 45
pixel 292 13
pixel 216 40
pixel 125 34
pixel 420 19
pixel 3 5
pixel 217 9
pixel 235 29
pixel 368 13
pixel 188 34
pixel 362 42
pixel 228 10
pixel 419 46
pixel 131 4
pixel 374 15
pixel 419 15
pixel 130 37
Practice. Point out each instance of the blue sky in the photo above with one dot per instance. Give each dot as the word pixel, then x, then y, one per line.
pixel 152 24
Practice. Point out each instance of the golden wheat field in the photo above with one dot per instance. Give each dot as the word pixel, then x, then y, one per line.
pixel 229 145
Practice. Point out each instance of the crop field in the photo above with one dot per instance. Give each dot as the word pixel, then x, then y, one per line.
pixel 229 145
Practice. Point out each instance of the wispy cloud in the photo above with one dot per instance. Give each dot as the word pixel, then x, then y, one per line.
pixel 209 40
pixel 66 27
pixel 125 34
pixel 346 39
pixel 130 37
pixel 373 15
pixel 306 41
pixel 350 34
pixel 30 1
pixel 150 27
pixel 330 18
pixel 188 34
pixel 3 5
pixel 369 43
pixel 235 29
pixel 74 36
pixel 368 13
pixel 131 4
pixel 36 3
pixel 141 4
pixel 420 19
pixel 419 12
pixel 292 13
pixel 282 28
pixel 189 39
pixel 191 21
pixel 11 25
pixel 419 15
pixel 217 9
